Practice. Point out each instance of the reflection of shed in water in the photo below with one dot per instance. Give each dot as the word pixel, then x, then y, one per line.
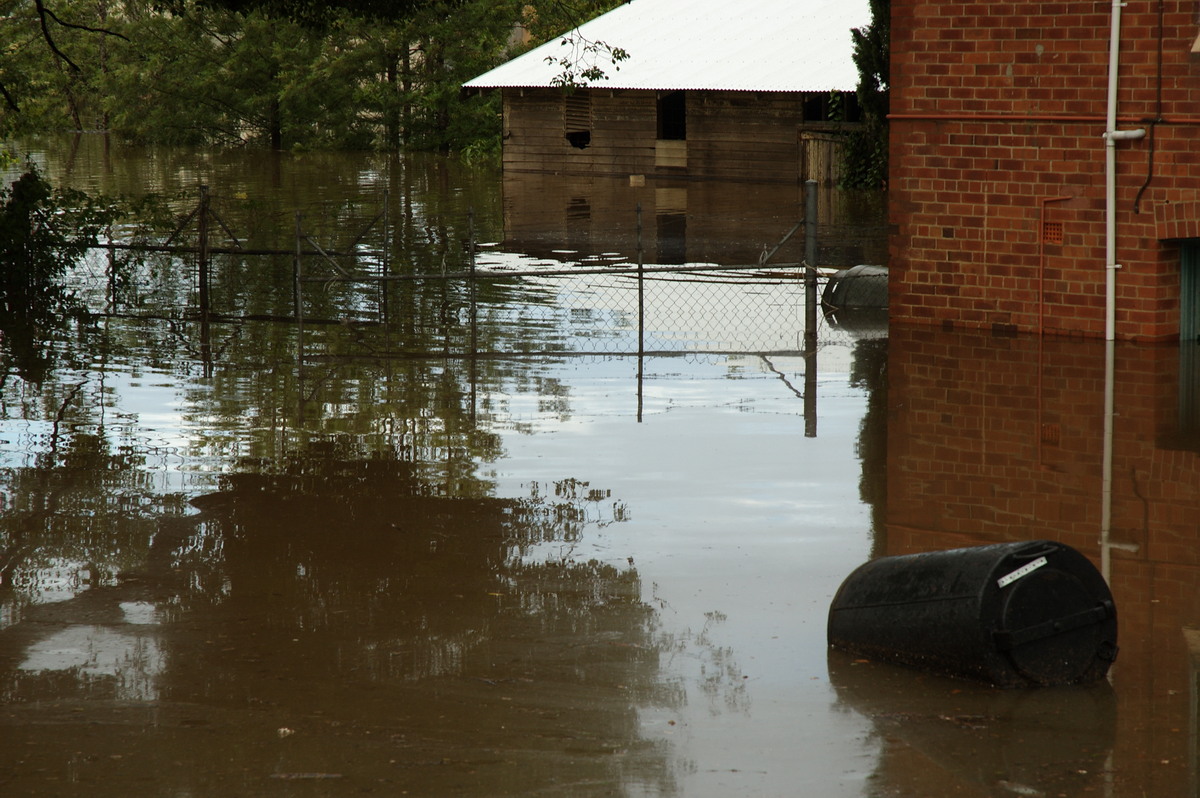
pixel 760 91
pixel 685 222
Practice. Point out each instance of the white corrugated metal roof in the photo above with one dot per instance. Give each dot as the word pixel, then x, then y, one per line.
pixel 737 45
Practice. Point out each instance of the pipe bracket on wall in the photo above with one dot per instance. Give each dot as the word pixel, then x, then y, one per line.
pixel 1125 135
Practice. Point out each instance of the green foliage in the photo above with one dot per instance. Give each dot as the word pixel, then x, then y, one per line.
pixel 865 164
pixel 581 63
pixel 289 74
pixel 43 232
pixel 865 158
pixel 483 151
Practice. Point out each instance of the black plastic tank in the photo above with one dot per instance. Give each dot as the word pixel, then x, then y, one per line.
pixel 1011 614
pixel 862 286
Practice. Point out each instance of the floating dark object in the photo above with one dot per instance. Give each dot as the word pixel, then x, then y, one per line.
pixel 863 286
pixel 1011 614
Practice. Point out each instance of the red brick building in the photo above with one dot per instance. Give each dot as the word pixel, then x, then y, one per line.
pixel 1012 208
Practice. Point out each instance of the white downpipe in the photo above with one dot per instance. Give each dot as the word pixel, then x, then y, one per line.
pixel 1110 288
pixel 1111 137
pixel 1107 468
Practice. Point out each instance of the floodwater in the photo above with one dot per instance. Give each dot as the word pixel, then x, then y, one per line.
pixel 240 558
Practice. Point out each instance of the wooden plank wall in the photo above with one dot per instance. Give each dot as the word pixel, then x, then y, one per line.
pixel 739 136
pixel 744 136
pixel 623 133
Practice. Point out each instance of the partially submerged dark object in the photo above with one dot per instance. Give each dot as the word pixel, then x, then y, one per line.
pixel 1012 614
pixel 863 286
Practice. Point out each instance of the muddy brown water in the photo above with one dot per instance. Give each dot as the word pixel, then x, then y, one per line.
pixel 547 575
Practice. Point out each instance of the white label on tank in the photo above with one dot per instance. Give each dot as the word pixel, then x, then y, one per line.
pixel 1024 570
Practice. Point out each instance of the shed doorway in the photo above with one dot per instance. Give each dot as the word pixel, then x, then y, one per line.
pixel 670 146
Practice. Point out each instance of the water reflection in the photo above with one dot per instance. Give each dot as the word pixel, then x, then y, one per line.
pixel 485 577
pixel 940 736
pixel 547 216
pixel 357 607
pixel 996 439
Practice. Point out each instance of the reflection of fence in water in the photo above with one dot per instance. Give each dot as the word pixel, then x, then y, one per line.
pixel 681 310
pixel 617 308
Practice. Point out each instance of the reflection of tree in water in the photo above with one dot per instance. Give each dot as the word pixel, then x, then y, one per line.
pixel 349 600
pixel 391 586
pixel 868 371
pixel 37 246
pixel 340 543
pixel 352 580
pixel 80 511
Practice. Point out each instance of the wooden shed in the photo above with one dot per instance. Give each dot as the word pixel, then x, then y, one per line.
pixel 760 91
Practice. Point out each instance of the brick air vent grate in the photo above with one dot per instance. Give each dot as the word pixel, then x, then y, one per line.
pixel 1052 232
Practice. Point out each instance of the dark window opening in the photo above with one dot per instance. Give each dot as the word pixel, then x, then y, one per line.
pixel 815 108
pixel 832 107
pixel 1189 291
pixel 1188 428
pixel 672 116
pixel 577 118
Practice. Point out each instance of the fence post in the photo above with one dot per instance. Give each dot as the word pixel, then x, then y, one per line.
pixel 641 287
pixel 384 262
pixel 641 314
pixel 810 309
pixel 298 309
pixel 203 266
pixel 473 363
pixel 810 264
pixel 471 278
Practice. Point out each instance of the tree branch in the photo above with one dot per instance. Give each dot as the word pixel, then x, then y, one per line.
pixel 73 26
pixel 8 99
pixel 45 13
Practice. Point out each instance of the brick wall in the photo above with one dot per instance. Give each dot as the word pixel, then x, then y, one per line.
pixel 997 158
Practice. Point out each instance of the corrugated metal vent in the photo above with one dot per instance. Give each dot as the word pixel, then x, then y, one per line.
pixel 577 118
pixel 577 111
pixel 1052 232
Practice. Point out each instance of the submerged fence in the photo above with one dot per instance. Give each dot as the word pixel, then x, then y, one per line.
pixel 614 310
pixel 620 308
pixel 492 305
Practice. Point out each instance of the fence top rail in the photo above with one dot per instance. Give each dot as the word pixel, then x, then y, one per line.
pixel 186 250
pixel 574 272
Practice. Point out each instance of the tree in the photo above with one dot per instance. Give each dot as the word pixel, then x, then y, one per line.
pixel 866 154
pixel 284 73
pixel 43 232
pixel 50 26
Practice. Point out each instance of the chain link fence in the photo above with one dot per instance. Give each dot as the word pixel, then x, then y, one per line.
pixel 620 310
pixel 445 296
